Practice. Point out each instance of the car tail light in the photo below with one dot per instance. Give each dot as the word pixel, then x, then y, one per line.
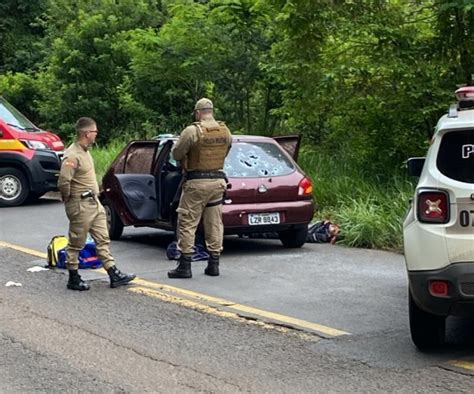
pixel 305 187
pixel 433 207
pixel 439 288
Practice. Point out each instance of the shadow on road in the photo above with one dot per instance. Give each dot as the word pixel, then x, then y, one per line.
pixel 233 244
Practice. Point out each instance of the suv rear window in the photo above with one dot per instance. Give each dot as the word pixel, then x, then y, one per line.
pixel 456 155
pixel 257 159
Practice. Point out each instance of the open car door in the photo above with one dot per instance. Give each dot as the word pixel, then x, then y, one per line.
pixel 130 184
pixel 291 144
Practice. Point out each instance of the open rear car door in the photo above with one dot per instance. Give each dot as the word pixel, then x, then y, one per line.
pixel 130 185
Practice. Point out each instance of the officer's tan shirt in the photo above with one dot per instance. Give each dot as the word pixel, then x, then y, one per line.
pixel 187 138
pixel 77 173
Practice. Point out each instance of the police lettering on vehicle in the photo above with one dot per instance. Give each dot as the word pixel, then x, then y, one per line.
pixel 467 150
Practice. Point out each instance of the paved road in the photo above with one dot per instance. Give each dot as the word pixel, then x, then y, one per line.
pixel 121 340
pixel 360 292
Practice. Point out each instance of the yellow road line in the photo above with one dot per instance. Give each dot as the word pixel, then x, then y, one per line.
pixel 201 307
pixel 22 249
pixel 172 294
pixel 469 365
pixel 175 299
pixel 277 317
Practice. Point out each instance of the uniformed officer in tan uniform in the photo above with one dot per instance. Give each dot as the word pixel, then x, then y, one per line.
pixel 201 148
pixel 79 190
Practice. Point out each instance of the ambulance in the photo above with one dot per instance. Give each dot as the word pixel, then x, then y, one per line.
pixel 29 158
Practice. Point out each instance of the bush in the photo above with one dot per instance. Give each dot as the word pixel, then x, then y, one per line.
pixel 369 210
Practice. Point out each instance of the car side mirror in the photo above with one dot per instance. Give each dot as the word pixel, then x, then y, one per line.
pixel 1 134
pixel 415 165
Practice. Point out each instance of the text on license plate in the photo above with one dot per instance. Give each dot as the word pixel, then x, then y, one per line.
pixel 466 216
pixel 256 219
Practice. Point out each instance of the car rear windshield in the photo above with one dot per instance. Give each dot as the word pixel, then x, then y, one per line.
pixel 257 159
pixel 456 155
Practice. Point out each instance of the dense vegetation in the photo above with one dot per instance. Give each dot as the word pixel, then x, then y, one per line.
pixel 364 81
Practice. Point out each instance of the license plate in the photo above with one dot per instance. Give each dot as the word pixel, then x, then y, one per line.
pixel 256 219
pixel 466 217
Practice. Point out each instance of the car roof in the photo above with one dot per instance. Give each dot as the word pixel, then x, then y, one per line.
pixel 463 120
pixel 251 138
pixel 235 138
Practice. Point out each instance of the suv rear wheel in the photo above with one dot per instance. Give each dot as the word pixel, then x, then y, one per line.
pixel 114 223
pixel 294 237
pixel 427 330
pixel 14 187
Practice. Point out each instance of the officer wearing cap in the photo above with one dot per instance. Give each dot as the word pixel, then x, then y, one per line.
pixel 79 190
pixel 201 149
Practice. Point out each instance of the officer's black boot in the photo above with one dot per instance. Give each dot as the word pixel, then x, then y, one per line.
pixel 118 278
pixel 212 268
pixel 183 270
pixel 75 281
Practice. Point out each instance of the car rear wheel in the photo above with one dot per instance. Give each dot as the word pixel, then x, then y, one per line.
pixel 427 330
pixel 114 223
pixel 294 237
pixel 14 188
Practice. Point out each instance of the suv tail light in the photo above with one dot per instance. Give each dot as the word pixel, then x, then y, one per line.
pixel 439 288
pixel 305 187
pixel 433 207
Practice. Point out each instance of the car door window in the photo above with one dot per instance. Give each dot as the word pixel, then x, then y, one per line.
pixel 140 158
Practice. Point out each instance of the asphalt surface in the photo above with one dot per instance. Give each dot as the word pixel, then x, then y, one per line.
pixel 129 340
pixel 113 340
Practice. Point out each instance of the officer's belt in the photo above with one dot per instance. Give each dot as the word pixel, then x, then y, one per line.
pixel 205 175
pixel 215 203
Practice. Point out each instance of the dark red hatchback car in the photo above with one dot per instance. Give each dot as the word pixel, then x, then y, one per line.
pixel 268 192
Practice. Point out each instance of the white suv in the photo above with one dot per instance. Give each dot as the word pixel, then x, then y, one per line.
pixel 438 230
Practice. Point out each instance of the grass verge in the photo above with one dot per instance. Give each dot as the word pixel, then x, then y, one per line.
pixel 369 211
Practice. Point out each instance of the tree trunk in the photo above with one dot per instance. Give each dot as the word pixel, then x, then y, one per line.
pixel 247 99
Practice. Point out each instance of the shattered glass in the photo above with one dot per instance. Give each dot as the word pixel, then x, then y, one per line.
pixel 257 159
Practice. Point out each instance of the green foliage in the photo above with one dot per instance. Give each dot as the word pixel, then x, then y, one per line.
pixel 211 49
pixel 373 88
pixel 455 31
pixel 88 63
pixel 19 47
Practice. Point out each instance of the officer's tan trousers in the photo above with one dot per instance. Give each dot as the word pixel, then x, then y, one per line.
pixel 85 216
pixel 198 193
